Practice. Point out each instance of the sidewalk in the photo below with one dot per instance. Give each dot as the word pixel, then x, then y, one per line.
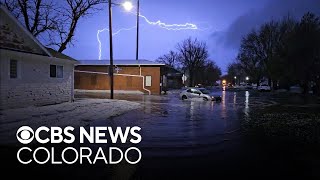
pixel 78 113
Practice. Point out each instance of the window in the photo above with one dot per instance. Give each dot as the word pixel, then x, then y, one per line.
pixel 148 81
pixel 194 91
pixel 59 71
pixel 13 69
pixel 56 71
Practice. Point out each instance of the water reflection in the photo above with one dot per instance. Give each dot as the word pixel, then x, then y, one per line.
pixel 246 108
pixel 223 109
pixel 192 110
pixel 234 99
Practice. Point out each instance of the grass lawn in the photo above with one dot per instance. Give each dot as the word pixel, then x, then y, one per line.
pixel 290 121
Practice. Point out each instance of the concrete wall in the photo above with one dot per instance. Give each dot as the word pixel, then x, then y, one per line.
pixel 34 86
pixel 102 82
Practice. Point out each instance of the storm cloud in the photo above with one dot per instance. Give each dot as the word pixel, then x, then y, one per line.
pixel 273 10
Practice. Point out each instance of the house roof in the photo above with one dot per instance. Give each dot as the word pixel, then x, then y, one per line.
pixel 20 47
pixel 59 55
pixel 4 9
pixel 141 62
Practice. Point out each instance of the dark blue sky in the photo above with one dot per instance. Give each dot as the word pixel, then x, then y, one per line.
pixel 222 24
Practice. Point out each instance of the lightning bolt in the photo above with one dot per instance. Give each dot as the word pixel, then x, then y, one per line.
pixel 173 27
pixel 113 34
pixel 170 27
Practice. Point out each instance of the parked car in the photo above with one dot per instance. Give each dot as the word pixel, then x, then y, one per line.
pixel 254 86
pixel 249 86
pixel 202 93
pixel 240 87
pixel 264 87
pixel 296 89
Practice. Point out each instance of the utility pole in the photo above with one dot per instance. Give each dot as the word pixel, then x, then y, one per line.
pixel 111 51
pixel 137 40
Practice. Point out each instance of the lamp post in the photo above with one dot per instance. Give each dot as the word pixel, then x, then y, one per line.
pixel 235 80
pixel 137 40
pixel 127 6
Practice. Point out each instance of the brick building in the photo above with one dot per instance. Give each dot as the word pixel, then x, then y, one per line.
pixel 129 75
pixel 30 74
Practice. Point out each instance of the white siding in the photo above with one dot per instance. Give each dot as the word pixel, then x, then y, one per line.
pixel 33 85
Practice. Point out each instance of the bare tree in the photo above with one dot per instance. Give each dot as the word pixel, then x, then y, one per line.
pixel 193 54
pixel 171 59
pixel 72 13
pixel 250 58
pixel 54 21
pixel 38 16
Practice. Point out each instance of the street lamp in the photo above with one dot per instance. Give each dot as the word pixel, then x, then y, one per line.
pixel 127 6
pixel 247 78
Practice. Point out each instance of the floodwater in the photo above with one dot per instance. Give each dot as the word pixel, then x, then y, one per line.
pixel 172 127
pixel 191 139
pixel 196 138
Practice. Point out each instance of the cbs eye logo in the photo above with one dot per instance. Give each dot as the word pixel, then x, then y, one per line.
pixel 25 134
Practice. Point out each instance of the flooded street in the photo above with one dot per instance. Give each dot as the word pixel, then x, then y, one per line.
pixel 190 139
pixel 172 127
pixel 195 138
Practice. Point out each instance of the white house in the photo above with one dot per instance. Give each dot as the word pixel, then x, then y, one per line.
pixel 30 74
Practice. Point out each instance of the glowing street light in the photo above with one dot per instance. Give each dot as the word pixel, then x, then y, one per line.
pixel 247 78
pixel 224 82
pixel 127 5
pixel 235 77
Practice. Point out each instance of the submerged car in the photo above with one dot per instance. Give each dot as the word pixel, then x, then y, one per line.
pixel 202 93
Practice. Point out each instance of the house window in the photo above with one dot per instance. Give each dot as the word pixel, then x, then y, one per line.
pixel 56 71
pixel 13 69
pixel 148 81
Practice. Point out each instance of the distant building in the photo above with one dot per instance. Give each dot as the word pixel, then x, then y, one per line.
pixel 129 75
pixel 30 74
pixel 171 78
